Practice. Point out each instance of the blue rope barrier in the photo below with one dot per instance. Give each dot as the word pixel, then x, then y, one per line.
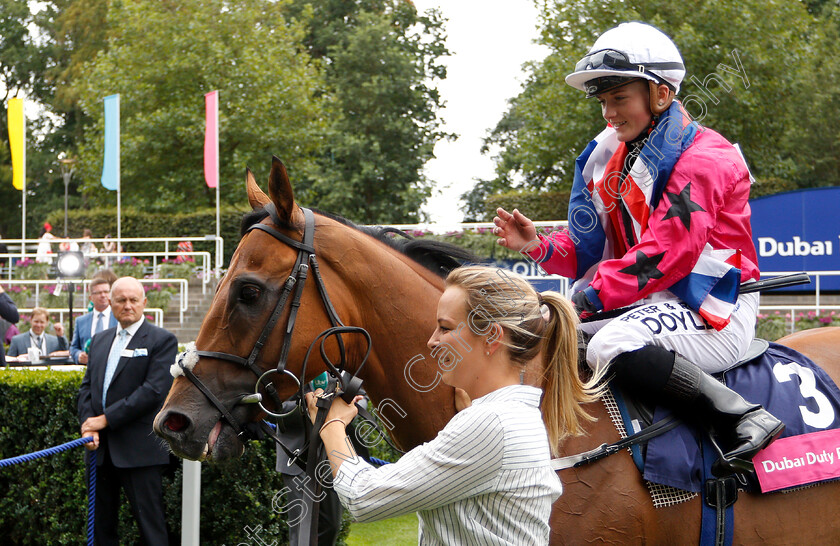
pixel 58 449
pixel 44 452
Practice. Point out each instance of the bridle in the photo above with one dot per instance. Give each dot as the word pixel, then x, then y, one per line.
pixel 350 382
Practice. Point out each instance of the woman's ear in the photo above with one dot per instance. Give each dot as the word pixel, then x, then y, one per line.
pixel 661 97
pixel 493 338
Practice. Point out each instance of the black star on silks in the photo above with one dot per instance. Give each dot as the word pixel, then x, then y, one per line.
pixel 645 268
pixel 682 206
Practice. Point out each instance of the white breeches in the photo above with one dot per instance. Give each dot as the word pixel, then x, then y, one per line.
pixel 672 325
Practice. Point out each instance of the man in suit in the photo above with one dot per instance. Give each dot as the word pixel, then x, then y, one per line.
pixel 36 338
pixel 125 384
pixel 8 312
pixel 101 318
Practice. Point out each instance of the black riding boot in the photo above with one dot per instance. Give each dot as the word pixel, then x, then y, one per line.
pixel 663 376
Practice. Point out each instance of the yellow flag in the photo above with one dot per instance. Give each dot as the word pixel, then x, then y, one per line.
pixel 16 142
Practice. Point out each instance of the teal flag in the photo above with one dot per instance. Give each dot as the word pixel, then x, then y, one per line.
pixel 111 161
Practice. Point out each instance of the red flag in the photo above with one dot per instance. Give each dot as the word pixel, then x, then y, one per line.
pixel 211 139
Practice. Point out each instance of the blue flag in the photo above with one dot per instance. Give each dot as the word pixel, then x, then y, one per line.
pixel 111 161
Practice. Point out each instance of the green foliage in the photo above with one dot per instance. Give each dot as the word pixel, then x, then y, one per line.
pixel 29 270
pixel 772 326
pixel 538 206
pixel 784 52
pixel 135 223
pixel 381 62
pixel 162 57
pixel 770 186
pixel 45 501
pixel 176 270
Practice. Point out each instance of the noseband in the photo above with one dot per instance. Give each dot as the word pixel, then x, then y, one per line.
pixel 295 282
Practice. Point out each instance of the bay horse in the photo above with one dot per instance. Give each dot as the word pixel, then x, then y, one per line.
pixel 377 286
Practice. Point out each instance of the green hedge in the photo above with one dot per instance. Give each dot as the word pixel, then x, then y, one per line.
pixel 44 501
pixel 536 205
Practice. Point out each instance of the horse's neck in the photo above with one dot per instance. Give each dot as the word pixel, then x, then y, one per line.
pixel 395 299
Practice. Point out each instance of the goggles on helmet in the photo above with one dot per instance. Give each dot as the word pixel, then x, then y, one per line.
pixel 612 59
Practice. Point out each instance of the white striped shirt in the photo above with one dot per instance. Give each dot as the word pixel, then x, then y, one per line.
pixel 485 479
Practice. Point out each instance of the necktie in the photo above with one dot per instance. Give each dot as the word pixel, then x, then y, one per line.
pixel 38 343
pixel 99 324
pixel 113 360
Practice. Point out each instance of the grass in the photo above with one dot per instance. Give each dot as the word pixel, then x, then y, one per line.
pixel 401 531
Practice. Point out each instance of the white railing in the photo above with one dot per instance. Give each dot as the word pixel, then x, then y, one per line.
pixel 205 269
pixel 28 245
pixel 155 312
pixel 793 309
pixel 183 290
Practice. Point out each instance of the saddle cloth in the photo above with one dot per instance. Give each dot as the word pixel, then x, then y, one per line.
pixel 785 382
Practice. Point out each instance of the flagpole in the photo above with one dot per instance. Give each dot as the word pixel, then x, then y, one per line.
pixel 218 174
pixel 119 182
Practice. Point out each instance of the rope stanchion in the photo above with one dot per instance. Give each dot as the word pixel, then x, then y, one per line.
pixel 91 495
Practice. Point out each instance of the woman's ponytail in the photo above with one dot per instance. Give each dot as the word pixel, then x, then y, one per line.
pixel 565 391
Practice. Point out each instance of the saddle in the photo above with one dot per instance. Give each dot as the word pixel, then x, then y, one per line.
pixel 786 383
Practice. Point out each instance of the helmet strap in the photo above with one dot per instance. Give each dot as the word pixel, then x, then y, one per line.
pixel 657 105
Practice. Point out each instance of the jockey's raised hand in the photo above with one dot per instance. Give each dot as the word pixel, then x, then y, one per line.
pixel 514 230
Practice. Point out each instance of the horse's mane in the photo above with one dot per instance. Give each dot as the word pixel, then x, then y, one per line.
pixel 436 256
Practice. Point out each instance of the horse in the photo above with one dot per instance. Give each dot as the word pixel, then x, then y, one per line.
pixel 391 290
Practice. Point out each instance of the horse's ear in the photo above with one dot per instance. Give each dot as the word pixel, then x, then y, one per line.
pixel 280 190
pixel 256 197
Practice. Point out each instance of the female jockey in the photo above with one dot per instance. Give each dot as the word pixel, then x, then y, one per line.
pixel 658 220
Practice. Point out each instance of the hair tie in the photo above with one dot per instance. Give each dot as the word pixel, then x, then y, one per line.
pixel 545 310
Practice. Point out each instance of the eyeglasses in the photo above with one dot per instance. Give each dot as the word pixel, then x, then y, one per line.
pixel 618 60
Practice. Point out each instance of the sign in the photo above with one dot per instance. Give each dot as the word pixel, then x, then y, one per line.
pixel 799 231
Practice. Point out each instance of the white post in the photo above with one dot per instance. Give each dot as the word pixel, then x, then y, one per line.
pixel 23 197
pixel 190 503
pixel 119 181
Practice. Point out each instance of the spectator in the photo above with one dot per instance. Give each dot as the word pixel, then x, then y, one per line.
pixel 44 252
pixel 109 247
pixel 184 246
pixel 8 312
pixel 90 324
pixel 36 336
pixel 88 247
pixel 126 381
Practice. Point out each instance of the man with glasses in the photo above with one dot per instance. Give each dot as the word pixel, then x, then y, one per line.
pixel 94 322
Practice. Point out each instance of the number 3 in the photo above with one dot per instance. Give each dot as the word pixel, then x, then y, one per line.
pixel 824 415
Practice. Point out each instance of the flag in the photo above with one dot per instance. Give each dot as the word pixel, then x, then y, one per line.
pixel 111 161
pixel 16 142
pixel 211 139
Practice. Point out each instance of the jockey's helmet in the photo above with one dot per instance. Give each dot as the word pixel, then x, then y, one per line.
pixel 625 53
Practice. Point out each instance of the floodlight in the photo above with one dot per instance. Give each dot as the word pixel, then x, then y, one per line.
pixel 70 264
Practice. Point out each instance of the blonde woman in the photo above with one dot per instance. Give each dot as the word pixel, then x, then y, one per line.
pixel 486 477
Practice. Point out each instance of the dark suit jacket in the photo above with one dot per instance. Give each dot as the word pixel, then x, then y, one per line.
pixel 137 391
pixel 21 342
pixel 10 313
pixel 81 333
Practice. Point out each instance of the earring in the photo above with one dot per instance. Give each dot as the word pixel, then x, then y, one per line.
pixel 661 103
pixel 487 353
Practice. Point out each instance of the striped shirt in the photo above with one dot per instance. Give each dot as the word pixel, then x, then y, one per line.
pixel 485 479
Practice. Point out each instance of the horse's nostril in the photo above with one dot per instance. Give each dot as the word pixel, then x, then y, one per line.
pixel 176 422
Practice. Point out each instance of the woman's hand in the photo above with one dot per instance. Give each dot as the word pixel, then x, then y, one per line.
pixel 338 410
pixel 515 231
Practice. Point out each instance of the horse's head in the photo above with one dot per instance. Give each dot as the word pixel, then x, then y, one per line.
pixel 243 333
pixel 368 281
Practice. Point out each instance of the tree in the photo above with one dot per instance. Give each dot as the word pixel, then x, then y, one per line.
pixel 162 57
pixel 767 54
pixel 380 58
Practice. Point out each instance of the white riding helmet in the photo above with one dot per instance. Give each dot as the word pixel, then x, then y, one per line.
pixel 630 50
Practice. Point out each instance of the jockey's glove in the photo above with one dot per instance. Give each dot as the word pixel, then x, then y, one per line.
pixel 583 307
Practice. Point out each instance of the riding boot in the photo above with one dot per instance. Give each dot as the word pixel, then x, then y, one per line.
pixel 745 428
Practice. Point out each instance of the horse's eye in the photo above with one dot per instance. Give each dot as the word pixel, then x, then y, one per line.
pixel 249 293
